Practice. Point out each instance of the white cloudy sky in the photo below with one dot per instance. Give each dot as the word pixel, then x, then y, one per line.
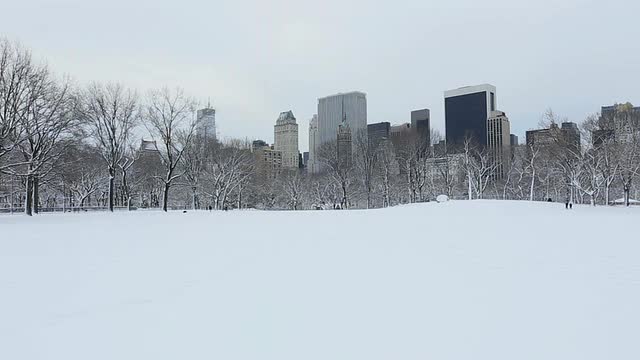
pixel 257 58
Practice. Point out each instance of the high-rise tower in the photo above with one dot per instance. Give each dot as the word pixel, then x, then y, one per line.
pixel 467 110
pixel 286 139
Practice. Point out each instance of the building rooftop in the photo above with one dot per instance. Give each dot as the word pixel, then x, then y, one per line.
pixel 469 90
pixel 346 93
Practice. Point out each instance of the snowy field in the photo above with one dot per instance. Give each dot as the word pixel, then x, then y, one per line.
pixel 462 280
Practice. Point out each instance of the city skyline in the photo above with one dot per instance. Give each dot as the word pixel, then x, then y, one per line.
pixel 281 55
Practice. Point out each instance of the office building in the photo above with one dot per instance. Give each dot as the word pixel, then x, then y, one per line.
pixel 466 112
pixel 499 142
pixel 567 136
pixel 421 125
pixel 398 131
pixel 286 139
pixel 378 133
pixel 268 160
pixel 513 140
pixel 571 135
pixel 333 109
pixel 258 145
pixel 620 122
pixel 206 127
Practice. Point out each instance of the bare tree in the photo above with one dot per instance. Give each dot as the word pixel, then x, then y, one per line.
pixel 17 72
pixel 388 169
pixel 292 185
pixel 366 163
pixel 81 173
pixel 196 156
pixel 227 171
pixel 111 112
pixel 531 167
pixel 47 121
pixel 340 170
pixel 169 116
pixel 125 164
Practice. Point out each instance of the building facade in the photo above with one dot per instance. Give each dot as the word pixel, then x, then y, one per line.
pixel 398 131
pixel 377 133
pixel 499 142
pixel 467 110
pixel 333 109
pixel 513 140
pixel 206 127
pixel 567 136
pixel 313 165
pixel 620 122
pixel 421 125
pixel 286 139
pixel 268 160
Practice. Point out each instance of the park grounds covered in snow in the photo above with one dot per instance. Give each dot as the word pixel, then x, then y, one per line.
pixel 459 280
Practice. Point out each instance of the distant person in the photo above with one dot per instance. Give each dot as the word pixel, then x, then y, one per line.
pixel 570 206
pixel 210 208
pixel 226 208
pixel 549 200
pixel 566 204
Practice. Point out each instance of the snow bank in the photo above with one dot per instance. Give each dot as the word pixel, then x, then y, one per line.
pixel 457 280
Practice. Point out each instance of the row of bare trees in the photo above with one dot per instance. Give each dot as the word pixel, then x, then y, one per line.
pixel 74 147
pixel 42 117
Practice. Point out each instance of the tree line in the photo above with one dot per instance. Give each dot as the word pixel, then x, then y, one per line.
pixel 64 146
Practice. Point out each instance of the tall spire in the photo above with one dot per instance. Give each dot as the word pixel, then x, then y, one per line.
pixel 344 115
pixel 209 102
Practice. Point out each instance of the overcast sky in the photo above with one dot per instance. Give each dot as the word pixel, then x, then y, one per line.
pixel 255 59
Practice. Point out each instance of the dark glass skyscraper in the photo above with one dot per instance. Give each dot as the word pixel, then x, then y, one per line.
pixel 466 112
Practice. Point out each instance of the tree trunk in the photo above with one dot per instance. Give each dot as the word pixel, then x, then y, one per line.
pixel 165 197
pixel 533 182
pixel 111 187
pixel 36 194
pixel 28 203
pixel 194 198
pixel 626 194
pixel 125 187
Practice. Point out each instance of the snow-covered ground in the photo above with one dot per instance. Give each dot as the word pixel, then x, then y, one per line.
pixel 459 280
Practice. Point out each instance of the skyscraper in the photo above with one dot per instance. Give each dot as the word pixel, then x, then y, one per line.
pixel 378 132
pixel 421 125
pixel 620 122
pixel 206 123
pixel 466 112
pixel 331 111
pixel 499 142
pixel 286 139
pixel 514 140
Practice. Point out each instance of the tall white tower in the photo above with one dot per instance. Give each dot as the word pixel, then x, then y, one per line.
pixel 313 165
pixel 286 139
